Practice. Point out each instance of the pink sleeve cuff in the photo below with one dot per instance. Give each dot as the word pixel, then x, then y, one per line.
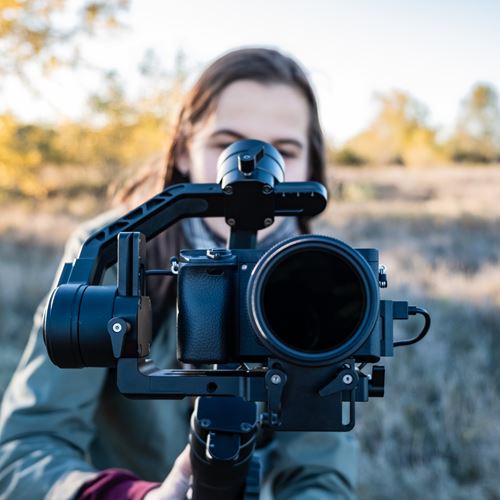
pixel 111 484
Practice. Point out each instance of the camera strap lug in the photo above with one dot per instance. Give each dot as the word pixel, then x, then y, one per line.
pixel 382 276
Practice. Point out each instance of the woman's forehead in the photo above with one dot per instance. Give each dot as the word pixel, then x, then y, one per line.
pixel 267 111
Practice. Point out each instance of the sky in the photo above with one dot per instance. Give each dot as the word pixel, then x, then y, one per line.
pixel 435 50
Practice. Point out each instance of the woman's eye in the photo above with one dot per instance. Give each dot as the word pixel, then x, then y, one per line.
pixel 222 145
pixel 287 154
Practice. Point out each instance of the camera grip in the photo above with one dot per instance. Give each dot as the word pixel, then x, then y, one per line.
pixel 205 314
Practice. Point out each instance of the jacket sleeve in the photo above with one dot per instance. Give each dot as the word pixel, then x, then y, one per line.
pixel 311 466
pixel 47 419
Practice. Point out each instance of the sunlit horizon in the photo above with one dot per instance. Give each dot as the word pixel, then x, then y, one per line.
pixel 434 51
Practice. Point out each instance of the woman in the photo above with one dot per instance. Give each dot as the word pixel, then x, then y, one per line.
pixel 61 431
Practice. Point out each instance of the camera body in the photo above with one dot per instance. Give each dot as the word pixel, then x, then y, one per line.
pixel 310 300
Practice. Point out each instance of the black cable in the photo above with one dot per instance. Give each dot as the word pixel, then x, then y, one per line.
pixel 412 311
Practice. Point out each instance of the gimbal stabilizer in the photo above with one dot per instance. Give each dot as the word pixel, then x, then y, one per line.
pixel 306 311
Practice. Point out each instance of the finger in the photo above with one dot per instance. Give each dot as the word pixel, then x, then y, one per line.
pixel 183 462
pixel 176 484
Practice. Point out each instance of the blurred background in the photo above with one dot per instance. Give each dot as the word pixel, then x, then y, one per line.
pixel 409 100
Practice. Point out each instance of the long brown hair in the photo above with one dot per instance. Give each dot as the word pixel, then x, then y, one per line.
pixel 262 65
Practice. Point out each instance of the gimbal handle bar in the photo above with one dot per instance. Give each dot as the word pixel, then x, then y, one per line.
pixel 99 252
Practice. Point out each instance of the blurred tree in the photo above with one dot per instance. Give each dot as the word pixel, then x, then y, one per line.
pixel 346 156
pixel 47 34
pixel 116 131
pixel 477 133
pixel 399 134
pixel 37 37
pixel 19 157
pixel 119 130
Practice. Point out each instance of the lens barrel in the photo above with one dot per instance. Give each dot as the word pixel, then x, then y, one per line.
pixel 313 300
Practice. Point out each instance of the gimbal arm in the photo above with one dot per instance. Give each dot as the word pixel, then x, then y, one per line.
pixel 99 251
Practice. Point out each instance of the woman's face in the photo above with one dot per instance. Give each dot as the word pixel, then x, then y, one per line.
pixel 274 113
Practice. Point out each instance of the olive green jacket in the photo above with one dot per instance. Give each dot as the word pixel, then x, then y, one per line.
pixel 59 427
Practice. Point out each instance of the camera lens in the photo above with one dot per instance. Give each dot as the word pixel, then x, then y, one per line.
pixel 313 299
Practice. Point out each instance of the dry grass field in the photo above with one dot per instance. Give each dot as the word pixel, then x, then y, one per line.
pixel 436 434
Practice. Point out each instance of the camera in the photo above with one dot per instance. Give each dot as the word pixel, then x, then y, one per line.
pixel 310 300
pixel 292 327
